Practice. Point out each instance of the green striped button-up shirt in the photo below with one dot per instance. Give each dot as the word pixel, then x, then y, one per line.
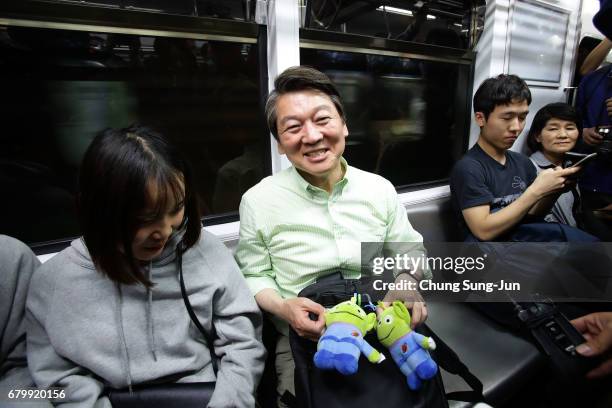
pixel 291 232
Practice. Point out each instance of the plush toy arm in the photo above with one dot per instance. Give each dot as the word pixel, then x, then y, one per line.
pixel 426 342
pixel 373 355
pixel 431 344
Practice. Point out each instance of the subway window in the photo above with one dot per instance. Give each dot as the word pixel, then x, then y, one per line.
pixel 62 87
pixel 406 116
pixel 238 10
pixel 405 71
pixel 398 19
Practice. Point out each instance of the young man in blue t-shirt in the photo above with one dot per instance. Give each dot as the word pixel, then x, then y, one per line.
pixel 493 189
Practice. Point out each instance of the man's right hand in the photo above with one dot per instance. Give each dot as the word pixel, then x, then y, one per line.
pixel 296 312
pixel 597 330
pixel 591 137
pixel 552 180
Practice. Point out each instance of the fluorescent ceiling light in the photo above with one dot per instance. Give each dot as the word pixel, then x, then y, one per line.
pixel 430 17
pixel 395 10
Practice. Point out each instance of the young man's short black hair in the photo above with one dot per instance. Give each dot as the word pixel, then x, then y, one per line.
pixel 557 110
pixel 117 169
pixel 300 78
pixel 500 90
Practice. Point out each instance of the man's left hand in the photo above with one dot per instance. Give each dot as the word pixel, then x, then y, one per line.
pixel 411 298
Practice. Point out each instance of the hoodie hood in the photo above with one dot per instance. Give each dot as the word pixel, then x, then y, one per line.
pixel 83 258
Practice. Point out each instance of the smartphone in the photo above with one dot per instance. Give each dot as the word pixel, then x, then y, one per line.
pixel 584 159
pixel 572 159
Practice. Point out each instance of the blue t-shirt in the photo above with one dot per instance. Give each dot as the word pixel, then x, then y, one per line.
pixel 593 91
pixel 478 179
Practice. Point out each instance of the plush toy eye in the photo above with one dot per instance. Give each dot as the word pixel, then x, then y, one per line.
pixel 389 319
pixel 361 312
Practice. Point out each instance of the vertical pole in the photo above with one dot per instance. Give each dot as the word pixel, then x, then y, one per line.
pixel 283 20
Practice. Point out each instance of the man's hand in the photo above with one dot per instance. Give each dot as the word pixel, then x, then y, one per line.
pixel 597 330
pixel 296 312
pixel 551 180
pixel 590 135
pixel 411 298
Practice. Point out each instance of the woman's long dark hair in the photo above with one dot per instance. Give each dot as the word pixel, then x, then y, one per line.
pixel 115 173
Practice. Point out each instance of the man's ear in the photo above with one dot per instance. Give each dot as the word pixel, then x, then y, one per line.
pixel 345 131
pixel 480 118
pixel 538 138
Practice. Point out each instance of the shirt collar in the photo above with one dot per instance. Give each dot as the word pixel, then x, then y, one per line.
pixel 303 185
pixel 486 155
pixel 541 160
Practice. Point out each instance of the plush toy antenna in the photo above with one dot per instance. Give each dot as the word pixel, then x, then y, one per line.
pixel 402 311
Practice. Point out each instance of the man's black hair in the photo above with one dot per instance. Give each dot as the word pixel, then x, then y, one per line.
pixel 500 90
pixel 300 78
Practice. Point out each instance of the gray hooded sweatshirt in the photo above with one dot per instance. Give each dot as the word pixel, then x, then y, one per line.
pixel 85 332
pixel 17 264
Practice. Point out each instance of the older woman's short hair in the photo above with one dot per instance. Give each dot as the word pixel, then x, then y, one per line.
pixel 116 171
pixel 296 79
pixel 557 110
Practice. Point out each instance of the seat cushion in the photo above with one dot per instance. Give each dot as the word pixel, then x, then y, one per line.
pixel 504 361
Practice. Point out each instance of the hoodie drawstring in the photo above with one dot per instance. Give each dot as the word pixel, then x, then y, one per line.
pixel 150 325
pixel 126 355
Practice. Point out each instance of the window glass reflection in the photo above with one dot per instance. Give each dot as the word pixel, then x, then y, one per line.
pixel 399 20
pixel 238 10
pixel 60 88
pixel 406 117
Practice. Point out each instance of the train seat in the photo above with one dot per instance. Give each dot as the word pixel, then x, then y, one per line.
pixel 504 361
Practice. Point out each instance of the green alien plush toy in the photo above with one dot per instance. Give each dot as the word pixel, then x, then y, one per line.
pixel 408 348
pixel 342 342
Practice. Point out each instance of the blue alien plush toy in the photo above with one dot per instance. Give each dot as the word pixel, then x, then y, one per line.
pixel 342 342
pixel 408 348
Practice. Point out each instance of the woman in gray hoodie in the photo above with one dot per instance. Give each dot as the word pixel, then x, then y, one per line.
pixel 107 312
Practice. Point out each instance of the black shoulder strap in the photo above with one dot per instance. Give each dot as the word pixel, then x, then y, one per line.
pixel 450 361
pixel 192 315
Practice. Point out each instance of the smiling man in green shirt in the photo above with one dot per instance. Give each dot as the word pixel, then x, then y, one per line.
pixel 309 220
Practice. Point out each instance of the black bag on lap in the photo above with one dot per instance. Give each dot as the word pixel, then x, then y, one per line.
pixel 373 384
